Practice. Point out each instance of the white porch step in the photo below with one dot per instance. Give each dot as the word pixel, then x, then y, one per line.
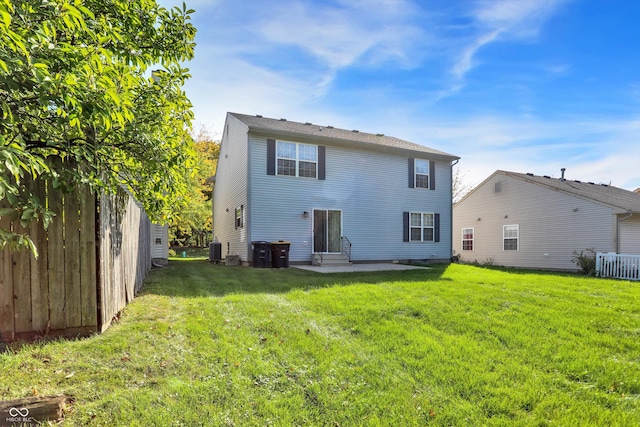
pixel 330 260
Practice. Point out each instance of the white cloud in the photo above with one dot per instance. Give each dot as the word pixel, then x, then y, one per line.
pixel 598 150
pixel 345 34
pixel 496 20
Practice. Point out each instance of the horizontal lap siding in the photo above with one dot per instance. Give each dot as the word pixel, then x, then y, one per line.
pixel 230 190
pixel 370 188
pixel 630 235
pixel 548 220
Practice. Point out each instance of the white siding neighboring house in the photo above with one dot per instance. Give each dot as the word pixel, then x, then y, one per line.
pixel 160 244
pixel 312 185
pixel 523 220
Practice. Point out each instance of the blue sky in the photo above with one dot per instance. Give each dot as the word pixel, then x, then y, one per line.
pixel 519 85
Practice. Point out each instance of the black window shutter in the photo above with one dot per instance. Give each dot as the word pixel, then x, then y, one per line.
pixel 432 175
pixel 412 174
pixel 321 161
pixel 436 227
pixel 405 224
pixel 271 156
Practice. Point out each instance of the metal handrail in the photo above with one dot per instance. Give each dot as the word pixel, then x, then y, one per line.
pixel 346 246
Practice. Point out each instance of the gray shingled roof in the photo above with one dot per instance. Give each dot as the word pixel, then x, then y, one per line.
pixel 264 124
pixel 607 194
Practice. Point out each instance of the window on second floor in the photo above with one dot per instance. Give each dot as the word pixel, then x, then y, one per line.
pixel 422 173
pixel 296 159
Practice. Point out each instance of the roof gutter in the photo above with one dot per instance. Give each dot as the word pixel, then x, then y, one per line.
pixel 317 139
pixel 629 215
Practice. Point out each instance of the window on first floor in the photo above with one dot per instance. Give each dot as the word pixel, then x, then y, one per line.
pixel 467 239
pixel 240 217
pixel 510 237
pixel 421 227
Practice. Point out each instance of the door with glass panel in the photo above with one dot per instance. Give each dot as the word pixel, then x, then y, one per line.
pixel 327 231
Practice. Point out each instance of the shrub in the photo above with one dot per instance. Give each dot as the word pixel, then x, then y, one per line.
pixel 586 262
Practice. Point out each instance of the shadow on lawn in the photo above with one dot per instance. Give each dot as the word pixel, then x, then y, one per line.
pixel 199 278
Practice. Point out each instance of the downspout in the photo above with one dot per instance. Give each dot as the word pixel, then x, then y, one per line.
pixel 451 210
pixel 629 215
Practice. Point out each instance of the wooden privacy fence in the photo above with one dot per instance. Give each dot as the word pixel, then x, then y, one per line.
pixel 92 260
pixel 618 266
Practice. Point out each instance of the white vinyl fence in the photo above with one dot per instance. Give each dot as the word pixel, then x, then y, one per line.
pixel 618 266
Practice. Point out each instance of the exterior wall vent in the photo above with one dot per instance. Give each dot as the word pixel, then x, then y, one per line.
pixel 497 187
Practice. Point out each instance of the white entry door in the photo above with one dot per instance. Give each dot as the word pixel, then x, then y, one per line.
pixel 327 231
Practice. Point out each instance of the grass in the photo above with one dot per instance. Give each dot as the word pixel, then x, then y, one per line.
pixel 455 345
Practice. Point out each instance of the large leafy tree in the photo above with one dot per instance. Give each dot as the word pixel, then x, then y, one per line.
pixel 79 102
pixel 192 223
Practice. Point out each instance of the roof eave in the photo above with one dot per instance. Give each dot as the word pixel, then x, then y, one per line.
pixel 304 137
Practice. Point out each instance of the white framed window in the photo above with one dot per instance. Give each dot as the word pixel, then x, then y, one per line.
pixel 510 237
pixel 239 220
pixel 421 227
pixel 467 239
pixel 296 159
pixel 421 173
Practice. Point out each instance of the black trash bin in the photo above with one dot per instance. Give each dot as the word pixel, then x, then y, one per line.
pixel 215 252
pixel 261 254
pixel 280 254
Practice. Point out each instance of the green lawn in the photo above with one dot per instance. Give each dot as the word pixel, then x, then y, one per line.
pixel 451 346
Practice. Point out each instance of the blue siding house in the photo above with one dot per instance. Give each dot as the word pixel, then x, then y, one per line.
pixel 334 194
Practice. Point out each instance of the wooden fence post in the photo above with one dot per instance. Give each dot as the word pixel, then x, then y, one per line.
pixel 7 327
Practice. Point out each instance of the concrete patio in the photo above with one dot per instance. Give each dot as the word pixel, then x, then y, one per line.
pixel 359 267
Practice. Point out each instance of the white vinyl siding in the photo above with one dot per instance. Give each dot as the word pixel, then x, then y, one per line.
pixel 630 235
pixel 160 242
pixel 553 224
pixel 230 191
pixel 372 209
